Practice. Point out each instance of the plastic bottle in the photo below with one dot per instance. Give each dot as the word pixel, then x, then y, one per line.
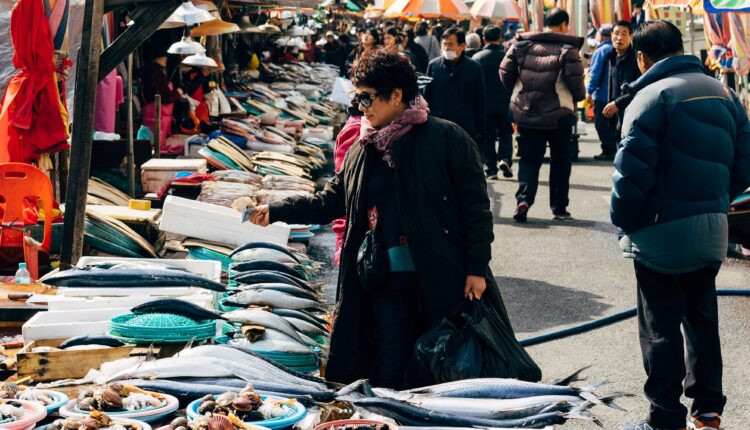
pixel 22 275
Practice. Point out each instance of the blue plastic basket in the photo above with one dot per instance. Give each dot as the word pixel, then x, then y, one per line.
pixel 294 414
pixel 60 400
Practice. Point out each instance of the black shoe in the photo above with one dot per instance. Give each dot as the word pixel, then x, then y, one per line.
pixel 505 168
pixel 561 214
pixel 644 425
pixel 522 210
pixel 604 157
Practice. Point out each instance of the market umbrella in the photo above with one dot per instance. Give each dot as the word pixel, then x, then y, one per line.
pixel 32 95
pixel 496 9
pixel 428 9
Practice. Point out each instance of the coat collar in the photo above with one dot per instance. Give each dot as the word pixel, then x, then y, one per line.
pixel 493 47
pixel 552 37
pixel 629 54
pixel 665 68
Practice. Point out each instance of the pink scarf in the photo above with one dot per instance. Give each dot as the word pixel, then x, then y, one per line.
pixel 383 138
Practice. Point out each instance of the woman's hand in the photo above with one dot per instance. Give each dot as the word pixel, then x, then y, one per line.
pixel 261 216
pixel 475 286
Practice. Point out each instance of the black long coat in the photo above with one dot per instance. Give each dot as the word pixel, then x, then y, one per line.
pixel 445 214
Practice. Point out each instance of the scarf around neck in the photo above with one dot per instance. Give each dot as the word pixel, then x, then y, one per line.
pixel 382 139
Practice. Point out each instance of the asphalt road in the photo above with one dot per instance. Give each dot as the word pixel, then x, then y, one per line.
pixel 556 274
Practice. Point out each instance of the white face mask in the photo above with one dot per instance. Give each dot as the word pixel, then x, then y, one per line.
pixel 449 55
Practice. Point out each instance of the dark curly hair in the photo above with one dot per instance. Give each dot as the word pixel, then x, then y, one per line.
pixel 385 70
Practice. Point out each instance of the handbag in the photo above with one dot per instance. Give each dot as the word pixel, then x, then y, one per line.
pixel 373 266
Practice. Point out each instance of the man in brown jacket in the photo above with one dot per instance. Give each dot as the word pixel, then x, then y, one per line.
pixel 545 74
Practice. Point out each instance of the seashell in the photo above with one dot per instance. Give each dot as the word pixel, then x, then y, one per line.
pixel 118 388
pixel 108 398
pixel 89 424
pixel 225 399
pixel 220 422
pixel 248 389
pixel 243 404
pixel 206 407
pixel 179 422
pixel 86 403
pixel 86 393
pixel 9 387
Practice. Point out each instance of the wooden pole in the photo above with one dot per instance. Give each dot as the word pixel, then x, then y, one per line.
pixel 157 126
pixel 131 155
pixel 87 72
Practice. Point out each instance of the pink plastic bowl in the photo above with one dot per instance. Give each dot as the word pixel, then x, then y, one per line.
pixel 35 412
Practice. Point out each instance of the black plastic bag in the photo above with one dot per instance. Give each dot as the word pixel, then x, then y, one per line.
pixel 475 342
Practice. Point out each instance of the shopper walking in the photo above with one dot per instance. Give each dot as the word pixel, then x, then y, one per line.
pixel 597 93
pixel 457 91
pixel 473 44
pixel 498 122
pixel 427 41
pixel 684 157
pixel 623 69
pixel 414 184
pixel 546 74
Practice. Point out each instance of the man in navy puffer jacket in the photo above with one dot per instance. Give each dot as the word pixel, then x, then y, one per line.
pixel 684 155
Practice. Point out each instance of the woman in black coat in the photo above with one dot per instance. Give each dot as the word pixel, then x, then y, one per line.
pixel 417 182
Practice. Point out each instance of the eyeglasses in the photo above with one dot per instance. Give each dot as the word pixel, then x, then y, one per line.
pixel 364 99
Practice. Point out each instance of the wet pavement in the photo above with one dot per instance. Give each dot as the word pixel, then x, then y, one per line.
pixel 555 274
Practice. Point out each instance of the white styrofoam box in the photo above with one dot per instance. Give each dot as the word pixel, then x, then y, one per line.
pixel 69 303
pixel 158 172
pixel 207 269
pixel 216 223
pixel 65 324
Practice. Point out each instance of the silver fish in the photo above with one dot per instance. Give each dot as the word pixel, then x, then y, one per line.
pixel 305 327
pixel 268 320
pixel 498 408
pixel 499 388
pixel 273 340
pixel 275 299
pixel 284 288
pixel 255 254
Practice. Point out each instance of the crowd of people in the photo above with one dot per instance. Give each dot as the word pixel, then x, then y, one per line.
pixel 412 166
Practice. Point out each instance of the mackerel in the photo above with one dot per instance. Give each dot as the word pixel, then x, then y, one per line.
pixel 270 276
pixel 499 388
pixel 498 408
pixel 296 270
pixel 307 328
pixel 177 307
pixel 268 320
pixel 319 322
pixel 273 298
pixel 90 340
pixel 235 384
pixel 284 288
pixel 264 254
pixel 254 245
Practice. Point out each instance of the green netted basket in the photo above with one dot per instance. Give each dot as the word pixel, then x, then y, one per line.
pixel 159 328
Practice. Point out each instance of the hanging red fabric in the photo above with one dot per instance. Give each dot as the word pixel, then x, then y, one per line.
pixel 33 120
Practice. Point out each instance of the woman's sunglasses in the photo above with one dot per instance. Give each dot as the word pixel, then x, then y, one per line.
pixel 365 99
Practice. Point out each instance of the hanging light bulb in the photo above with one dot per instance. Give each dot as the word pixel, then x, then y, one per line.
pixel 199 60
pixel 187 14
pixel 186 46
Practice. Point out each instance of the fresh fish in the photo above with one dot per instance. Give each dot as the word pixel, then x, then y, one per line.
pixel 408 414
pixel 498 408
pixel 249 278
pixel 273 340
pixel 254 245
pixel 86 347
pixel 134 264
pixel 284 288
pixel 303 315
pixel 275 372
pixel 281 366
pixel 189 392
pixel 295 271
pixel 90 340
pixel 129 278
pixel 305 327
pixel 498 388
pixel 235 384
pixel 272 298
pixel 177 307
pixel 255 254
pixel 268 320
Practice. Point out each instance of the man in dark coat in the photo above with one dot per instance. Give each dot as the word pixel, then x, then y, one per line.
pixel 684 157
pixel 498 103
pixel 457 91
pixel 623 69
pixel 545 73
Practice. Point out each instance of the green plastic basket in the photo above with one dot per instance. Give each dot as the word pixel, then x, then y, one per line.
pixel 159 327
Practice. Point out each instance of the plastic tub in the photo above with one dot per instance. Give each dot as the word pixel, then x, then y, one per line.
pixel 146 415
pixel 35 412
pixel 140 425
pixel 60 399
pixel 294 414
pixel 334 425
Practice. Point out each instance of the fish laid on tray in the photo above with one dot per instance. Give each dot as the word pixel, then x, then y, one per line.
pixel 129 277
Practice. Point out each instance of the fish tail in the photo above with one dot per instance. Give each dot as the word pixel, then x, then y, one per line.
pixel 594 386
pixel 609 400
pixel 573 377
pixel 581 412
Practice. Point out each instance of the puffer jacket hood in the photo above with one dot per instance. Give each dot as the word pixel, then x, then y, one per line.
pixel 544 72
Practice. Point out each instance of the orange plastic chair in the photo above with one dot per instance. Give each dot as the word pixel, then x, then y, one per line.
pixel 19 181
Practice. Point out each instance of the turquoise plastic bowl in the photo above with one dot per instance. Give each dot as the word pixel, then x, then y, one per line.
pixel 294 414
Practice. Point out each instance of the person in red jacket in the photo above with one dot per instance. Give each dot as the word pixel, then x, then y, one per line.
pixel 346 138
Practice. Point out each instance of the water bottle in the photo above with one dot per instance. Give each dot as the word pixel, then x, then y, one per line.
pixel 22 275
